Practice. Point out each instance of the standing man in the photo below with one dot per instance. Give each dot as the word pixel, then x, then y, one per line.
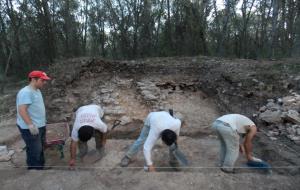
pixel 228 128
pixel 157 124
pixel 31 119
pixel 87 123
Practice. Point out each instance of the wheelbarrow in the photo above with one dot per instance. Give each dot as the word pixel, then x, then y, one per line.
pixel 56 136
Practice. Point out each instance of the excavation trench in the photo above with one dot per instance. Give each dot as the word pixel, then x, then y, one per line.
pixel 128 92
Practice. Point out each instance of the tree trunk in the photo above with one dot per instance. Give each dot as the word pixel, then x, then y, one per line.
pixel 296 45
pixel 50 39
pixel 16 23
pixel 169 27
pixel 274 32
pixel 5 72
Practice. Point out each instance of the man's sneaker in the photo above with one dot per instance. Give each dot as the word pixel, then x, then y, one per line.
pixel 227 170
pixel 125 161
pixel 174 165
pixel 47 167
pixel 101 152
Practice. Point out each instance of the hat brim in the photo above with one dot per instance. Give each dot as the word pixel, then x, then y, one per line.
pixel 45 78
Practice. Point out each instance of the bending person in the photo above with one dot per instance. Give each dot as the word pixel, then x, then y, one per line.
pixel 87 123
pixel 157 124
pixel 228 128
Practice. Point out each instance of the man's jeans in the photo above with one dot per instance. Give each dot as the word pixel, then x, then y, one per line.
pixel 229 144
pixel 135 147
pixel 34 148
pixel 83 147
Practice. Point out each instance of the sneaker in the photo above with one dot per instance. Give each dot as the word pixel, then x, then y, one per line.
pixel 227 170
pixel 47 167
pixel 174 166
pixel 101 152
pixel 125 161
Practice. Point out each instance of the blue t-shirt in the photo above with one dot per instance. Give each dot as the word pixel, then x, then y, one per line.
pixel 36 107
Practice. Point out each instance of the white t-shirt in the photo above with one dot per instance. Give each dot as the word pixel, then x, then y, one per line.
pixel 158 121
pixel 88 115
pixel 237 122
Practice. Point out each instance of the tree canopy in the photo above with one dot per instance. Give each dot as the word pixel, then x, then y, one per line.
pixel 33 33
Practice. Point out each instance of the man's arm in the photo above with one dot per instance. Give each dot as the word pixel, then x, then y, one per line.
pixel 242 149
pixel 149 143
pixel 24 114
pixel 103 140
pixel 248 141
pixel 73 147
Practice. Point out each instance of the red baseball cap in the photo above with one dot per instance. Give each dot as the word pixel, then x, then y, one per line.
pixel 38 74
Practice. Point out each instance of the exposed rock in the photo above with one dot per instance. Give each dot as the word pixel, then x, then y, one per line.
pixel 298 130
pixel 263 108
pixel 125 83
pixel 270 116
pixel 272 133
pixel 117 110
pixel 115 95
pixel 108 101
pixel 294 138
pixel 291 131
pixel 273 138
pixel 148 95
pixel 282 114
pixel 5 154
pixel 279 101
pixel 272 106
pixel 292 116
pixel 125 120
pixel 105 90
pixel 107 118
pixel 58 101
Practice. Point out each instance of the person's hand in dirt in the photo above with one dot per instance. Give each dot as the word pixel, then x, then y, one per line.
pixel 73 147
pixel 72 164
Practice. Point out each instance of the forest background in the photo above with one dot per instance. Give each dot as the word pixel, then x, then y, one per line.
pixel 36 33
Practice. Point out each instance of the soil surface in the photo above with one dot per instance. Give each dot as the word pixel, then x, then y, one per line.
pixel 198 89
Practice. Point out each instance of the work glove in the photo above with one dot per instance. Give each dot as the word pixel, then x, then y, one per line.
pixel 33 129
